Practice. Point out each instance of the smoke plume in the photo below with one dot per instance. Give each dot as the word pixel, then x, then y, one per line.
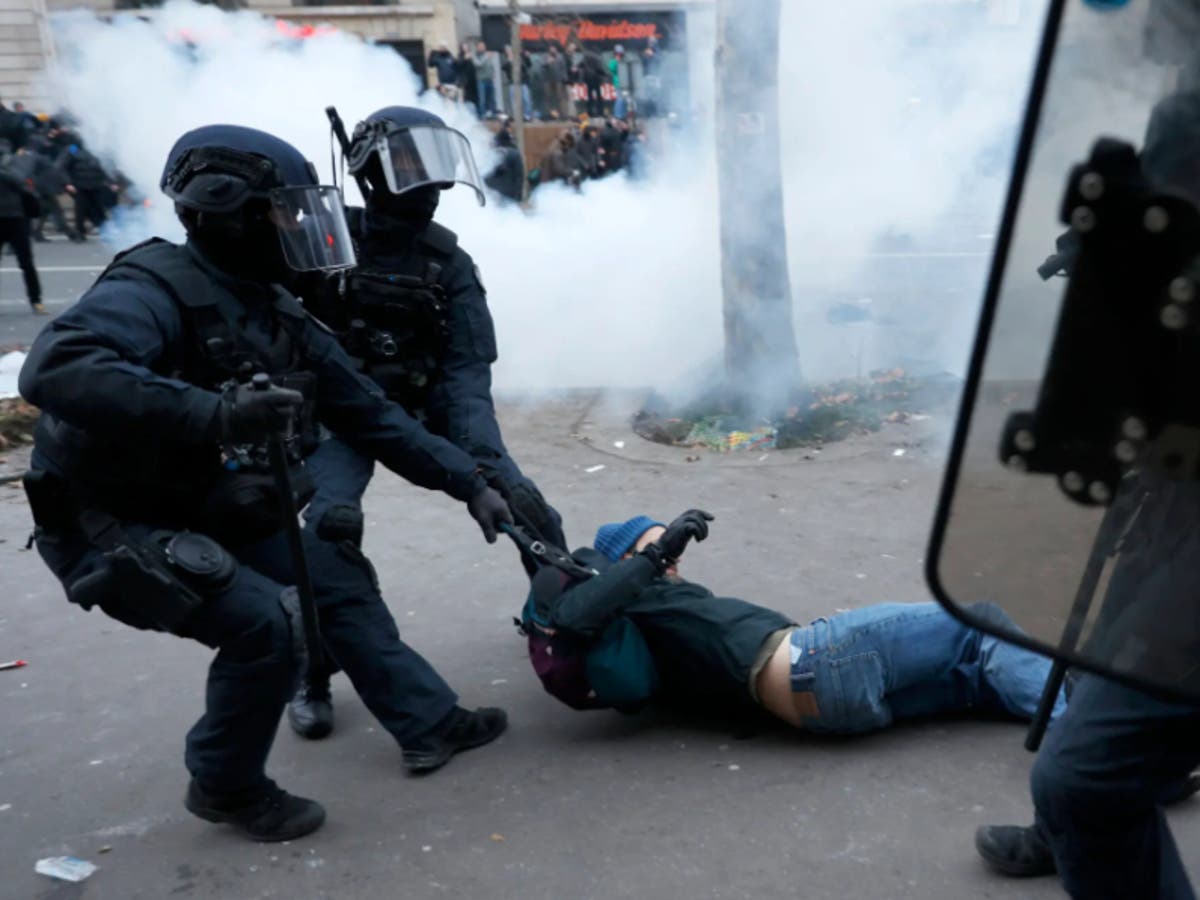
pixel 898 122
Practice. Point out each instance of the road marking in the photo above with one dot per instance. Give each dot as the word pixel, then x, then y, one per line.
pixel 42 269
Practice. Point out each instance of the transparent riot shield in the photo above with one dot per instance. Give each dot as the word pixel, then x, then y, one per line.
pixel 1071 497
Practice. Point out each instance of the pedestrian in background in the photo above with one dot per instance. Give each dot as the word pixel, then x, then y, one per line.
pixel 18 203
pixel 485 80
pixel 88 184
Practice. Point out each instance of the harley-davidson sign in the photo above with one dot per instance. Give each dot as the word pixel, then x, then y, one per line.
pixel 598 31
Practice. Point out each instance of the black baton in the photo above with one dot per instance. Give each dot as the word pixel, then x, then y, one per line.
pixel 291 522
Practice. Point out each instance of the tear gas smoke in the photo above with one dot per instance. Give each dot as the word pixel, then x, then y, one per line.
pixel 897 124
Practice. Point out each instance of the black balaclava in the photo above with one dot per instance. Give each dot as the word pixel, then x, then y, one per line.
pixel 413 209
pixel 244 244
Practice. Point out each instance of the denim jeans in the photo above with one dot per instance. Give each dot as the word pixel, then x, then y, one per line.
pixel 487 98
pixel 870 667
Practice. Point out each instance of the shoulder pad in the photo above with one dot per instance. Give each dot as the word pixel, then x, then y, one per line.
pixel 440 239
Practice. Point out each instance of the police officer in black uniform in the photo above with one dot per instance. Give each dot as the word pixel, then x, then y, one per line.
pixel 414 316
pixel 149 485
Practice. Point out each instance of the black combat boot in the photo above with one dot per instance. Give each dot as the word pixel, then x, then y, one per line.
pixel 1021 852
pixel 310 712
pixel 459 730
pixel 270 814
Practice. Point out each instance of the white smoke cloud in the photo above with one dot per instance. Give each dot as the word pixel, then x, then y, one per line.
pixel 887 126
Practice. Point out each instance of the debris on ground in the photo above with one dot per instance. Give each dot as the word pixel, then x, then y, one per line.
pixel 592 469
pixel 17 419
pixel 10 366
pixel 65 868
pixel 13 664
pixel 813 415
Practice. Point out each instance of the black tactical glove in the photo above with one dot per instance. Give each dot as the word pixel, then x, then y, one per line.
pixel 249 415
pixel 489 509
pixel 692 525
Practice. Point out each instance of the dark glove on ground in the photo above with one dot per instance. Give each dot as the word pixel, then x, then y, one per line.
pixel 489 509
pixel 249 416
pixel 692 525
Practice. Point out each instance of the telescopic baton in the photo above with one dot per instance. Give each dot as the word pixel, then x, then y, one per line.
pixel 291 523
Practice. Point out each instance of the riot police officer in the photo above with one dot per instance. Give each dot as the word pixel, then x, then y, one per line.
pixel 414 316
pixel 148 485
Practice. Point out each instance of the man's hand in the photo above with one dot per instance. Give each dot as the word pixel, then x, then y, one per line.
pixel 692 525
pixel 488 508
pixel 249 416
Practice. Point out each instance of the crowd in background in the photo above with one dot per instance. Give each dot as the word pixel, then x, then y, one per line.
pixel 559 83
pixel 43 161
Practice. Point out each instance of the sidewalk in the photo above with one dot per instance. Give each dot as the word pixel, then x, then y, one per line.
pixel 566 805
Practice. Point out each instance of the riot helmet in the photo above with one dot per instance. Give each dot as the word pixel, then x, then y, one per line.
pixel 253 201
pixel 400 149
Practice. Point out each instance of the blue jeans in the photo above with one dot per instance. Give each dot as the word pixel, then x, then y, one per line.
pixel 870 667
pixel 487 98
pixel 1095 785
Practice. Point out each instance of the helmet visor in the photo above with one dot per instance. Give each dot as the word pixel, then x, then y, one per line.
pixel 312 228
pixel 427 155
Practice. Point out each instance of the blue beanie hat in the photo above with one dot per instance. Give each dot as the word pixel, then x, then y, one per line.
pixel 616 539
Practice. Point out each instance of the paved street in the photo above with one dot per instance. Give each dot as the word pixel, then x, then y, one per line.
pixel 566 805
pixel 65 269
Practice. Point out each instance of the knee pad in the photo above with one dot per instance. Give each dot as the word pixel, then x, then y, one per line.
pixel 341 522
pixel 289 600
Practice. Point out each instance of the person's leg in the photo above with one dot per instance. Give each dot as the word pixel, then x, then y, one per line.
pixel 341 475
pixel 1096 784
pixel 252 623
pixel 19 238
pixel 399 686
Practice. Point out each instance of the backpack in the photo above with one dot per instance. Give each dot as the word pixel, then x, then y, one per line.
pixel 614 670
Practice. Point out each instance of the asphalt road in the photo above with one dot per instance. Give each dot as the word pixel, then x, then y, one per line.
pixel 566 805
pixel 66 270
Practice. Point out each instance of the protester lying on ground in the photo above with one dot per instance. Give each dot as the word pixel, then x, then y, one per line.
pixel 616 626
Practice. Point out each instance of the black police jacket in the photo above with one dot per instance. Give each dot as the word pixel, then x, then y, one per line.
pixel 130 408
pixel 457 401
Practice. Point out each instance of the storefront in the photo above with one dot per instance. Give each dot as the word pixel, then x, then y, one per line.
pixel 633 55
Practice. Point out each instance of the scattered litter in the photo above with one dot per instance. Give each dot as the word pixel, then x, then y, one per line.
pixel 920 417
pixel 899 451
pixel 10 365
pixel 620 445
pixel 496 681
pixel 254 868
pixel 887 556
pixel 842 609
pixel 497 837
pixel 64 868
pixel 691 459
pixel 13 664
pixel 107 848
pixel 314 863
pixel 591 469
pixel 764 456
pixel 274 859
pixel 860 575
pixel 95 762
pixel 734 768
pixel 426 849
pixel 5 807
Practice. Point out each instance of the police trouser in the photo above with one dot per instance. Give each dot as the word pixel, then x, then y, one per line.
pixel 407 695
pixel 254 624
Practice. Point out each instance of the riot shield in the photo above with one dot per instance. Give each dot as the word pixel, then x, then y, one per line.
pixel 1071 496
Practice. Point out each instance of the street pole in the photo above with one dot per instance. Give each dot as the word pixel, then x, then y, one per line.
pixel 518 104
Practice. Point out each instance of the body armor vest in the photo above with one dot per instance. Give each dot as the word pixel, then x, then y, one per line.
pixel 226 491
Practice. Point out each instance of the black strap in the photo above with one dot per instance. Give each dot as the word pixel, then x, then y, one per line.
pixel 546 554
pixel 101 530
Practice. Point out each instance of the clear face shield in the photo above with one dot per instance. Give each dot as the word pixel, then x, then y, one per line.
pixel 1073 486
pixel 312 228
pixel 424 155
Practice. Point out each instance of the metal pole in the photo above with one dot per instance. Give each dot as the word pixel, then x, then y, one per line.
pixel 514 11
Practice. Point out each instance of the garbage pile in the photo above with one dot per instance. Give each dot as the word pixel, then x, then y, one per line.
pixel 816 414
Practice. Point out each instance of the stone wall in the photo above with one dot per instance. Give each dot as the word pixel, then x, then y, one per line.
pixel 24 48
